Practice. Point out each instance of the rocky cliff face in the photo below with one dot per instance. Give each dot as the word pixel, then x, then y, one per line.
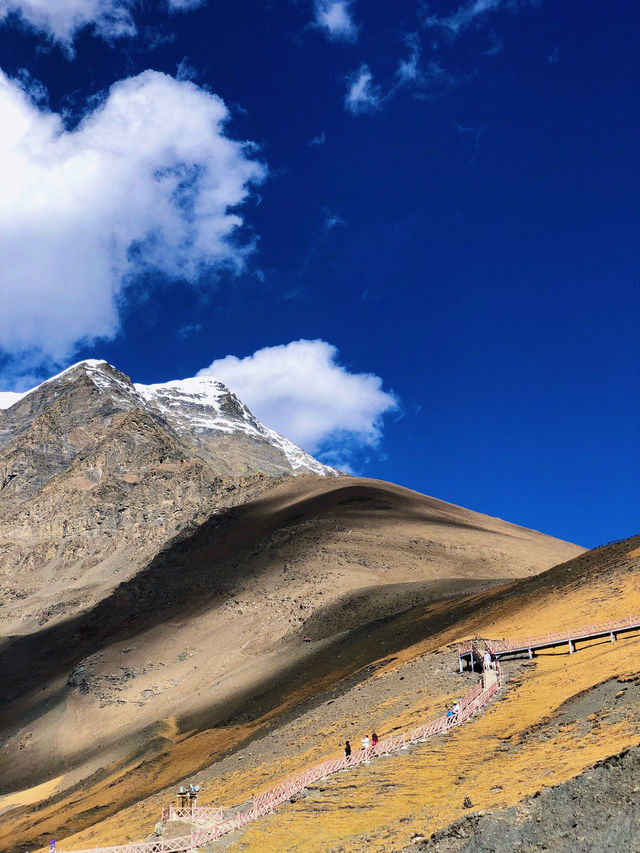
pixel 98 474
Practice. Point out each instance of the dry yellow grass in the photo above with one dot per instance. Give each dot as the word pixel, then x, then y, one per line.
pixel 380 806
pixel 506 754
pixel 212 631
pixel 424 790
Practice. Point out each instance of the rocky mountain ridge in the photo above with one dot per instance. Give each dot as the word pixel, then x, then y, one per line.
pixel 97 474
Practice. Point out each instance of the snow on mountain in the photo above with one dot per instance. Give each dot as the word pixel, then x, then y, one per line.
pixel 93 367
pixel 198 406
pixel 8 398
pixel 201 404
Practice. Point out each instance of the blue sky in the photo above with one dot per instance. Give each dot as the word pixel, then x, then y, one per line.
pixel 439 201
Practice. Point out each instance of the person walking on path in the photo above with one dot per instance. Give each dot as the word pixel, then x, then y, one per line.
pixel 487 659
pixel 347 750
pixel 374 739
pixel 365 742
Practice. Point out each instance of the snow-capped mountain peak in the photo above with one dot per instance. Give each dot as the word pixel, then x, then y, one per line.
pixel 202 404
pixel 201 410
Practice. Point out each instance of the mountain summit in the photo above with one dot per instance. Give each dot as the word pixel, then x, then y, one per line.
pixel 201 412
pixel 98 474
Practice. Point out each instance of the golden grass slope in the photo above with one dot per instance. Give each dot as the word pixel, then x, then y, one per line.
pixel 203 650
pixel 538 734
pixel 512 750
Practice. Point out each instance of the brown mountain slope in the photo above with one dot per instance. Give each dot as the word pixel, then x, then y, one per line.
pixel 559 715
pixel 119 700
pixel 96 477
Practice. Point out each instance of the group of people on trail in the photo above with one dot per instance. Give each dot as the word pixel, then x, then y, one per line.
pixel 452 712
pixel 366 744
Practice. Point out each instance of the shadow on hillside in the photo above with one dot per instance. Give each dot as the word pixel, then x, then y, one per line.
pixel 336 667
pixel 194 572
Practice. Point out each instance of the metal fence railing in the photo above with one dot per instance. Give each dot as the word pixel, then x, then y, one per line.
pixel 569 635
pixel 472 702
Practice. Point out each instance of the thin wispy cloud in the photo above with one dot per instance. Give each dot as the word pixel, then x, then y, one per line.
pixel 332 220
pixel 320 139
pixel 189 330
pixel 424 80
pixel 408 70
pixel 463 17
pixel 184 5
pixel 495 46
pixel 363 95
pixel 474 133
pixel 185 71
pixel 468 14
pixel 335 19
pixel 553 57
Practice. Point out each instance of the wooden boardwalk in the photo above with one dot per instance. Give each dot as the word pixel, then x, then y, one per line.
pixel 212 823
pixel 569 637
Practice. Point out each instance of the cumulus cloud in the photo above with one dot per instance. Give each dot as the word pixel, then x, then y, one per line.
pixel 61 19
pixel 335 19
pixel 147 181
pixel 363 95
pixel 301 390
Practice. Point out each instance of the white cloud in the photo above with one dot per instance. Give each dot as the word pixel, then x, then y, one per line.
pixel 61 19
pixel 146 181
pixel 408 70
pixel 302 391
pixel 320 139
pixel 363 95
pixel 334 17
pixel 469 13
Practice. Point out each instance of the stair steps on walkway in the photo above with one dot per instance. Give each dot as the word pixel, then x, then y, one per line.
pixel 216 822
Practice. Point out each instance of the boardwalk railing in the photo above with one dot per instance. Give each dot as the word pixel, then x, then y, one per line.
pixel 471 651
pixel 473 701
pixel 570 636
pixel 195 814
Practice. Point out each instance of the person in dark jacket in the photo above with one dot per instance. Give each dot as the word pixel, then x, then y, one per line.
pixel 347 750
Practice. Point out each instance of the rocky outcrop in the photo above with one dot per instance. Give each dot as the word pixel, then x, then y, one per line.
pixel 97 475
pixel 597 811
